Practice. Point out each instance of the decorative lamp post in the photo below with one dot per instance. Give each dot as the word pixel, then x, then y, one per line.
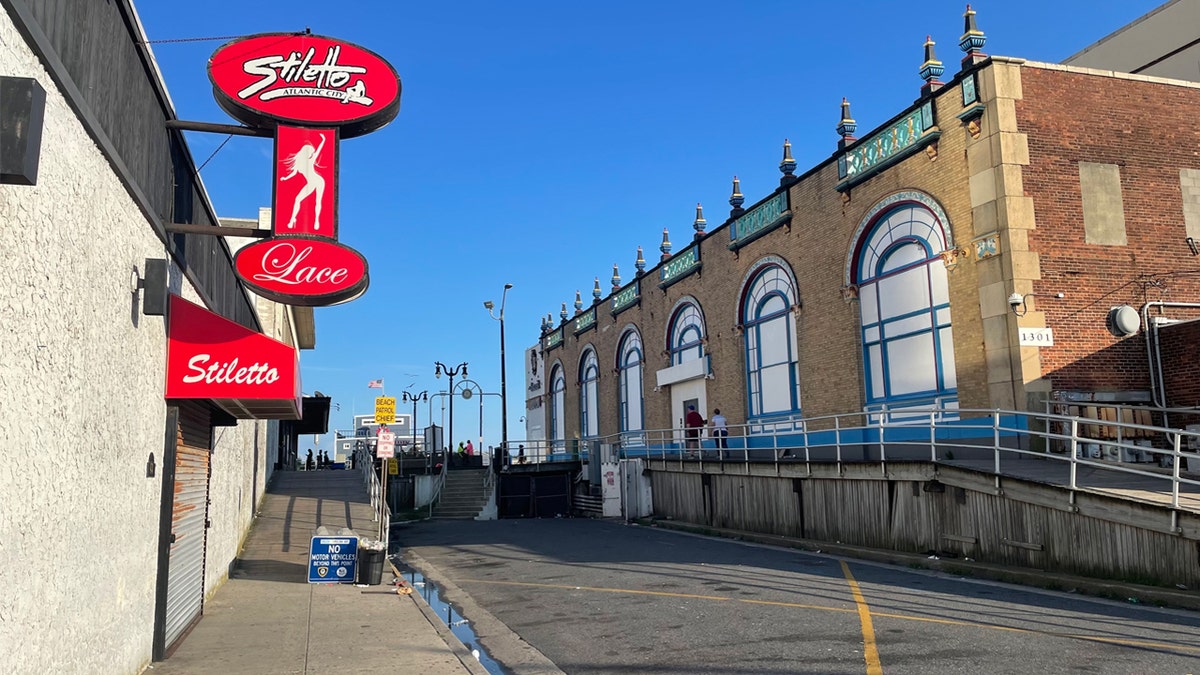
pixel 438 369
pixel 409 396
pixel 503 383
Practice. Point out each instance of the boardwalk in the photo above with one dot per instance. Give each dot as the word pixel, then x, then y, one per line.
pixel 1152 489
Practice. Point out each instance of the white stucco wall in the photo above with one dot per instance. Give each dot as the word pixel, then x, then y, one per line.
pixel 81 410
pixel 239 463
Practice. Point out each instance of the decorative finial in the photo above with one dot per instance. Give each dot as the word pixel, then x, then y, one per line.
pixel 616 278
pixel 545 325
pixel 788 165
pixel 596 290
pixel 666 245
pixel 736 199
pixel 563 313
pixel 847 125
pixel 578 302
pixel 931 69
pixel 640 263
pixel 972 39
pixel 699 224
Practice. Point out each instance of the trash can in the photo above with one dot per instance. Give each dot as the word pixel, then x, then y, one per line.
pixel 370 566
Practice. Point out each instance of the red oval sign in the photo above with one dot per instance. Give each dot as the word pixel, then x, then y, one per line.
pixel 304 79
pixel 298 271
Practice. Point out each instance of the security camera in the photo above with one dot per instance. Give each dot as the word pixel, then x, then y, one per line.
pixel 1015 300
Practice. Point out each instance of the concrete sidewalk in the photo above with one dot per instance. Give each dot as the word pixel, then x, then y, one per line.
pixel 267 619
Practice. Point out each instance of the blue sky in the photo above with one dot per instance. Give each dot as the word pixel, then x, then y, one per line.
pixel 539 142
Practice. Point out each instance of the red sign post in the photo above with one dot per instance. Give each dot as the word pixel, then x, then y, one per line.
pixel 312 91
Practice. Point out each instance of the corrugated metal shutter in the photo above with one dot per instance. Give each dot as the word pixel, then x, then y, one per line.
pixel 189 516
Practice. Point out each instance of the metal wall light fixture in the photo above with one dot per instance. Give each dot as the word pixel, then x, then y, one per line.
pixel 153 285
pixel 1016 301
pixel 22 114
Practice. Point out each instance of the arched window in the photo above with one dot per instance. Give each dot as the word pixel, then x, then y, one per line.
pixel 904 305
pixel 687 334
pixel 558 389
pixel 772 367
pixel 629 365
pixel 589 377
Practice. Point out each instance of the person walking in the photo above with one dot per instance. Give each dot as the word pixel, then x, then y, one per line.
pixel 720 429
pixel 693 422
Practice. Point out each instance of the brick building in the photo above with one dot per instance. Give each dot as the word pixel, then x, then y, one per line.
pixel 918 268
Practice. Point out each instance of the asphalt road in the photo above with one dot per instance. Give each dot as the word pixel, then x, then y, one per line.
pixel 604 597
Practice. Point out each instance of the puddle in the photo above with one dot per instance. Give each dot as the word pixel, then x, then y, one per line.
pixel 458 624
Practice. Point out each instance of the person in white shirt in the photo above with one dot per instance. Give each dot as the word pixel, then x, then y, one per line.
pixel 720 430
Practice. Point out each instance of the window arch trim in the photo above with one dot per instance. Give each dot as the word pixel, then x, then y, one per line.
pixel 883 207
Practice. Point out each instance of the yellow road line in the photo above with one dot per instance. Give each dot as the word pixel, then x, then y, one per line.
pixel 870 653
pixel 861 605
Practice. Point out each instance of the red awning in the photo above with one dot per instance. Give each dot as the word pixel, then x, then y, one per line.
pixel 246 374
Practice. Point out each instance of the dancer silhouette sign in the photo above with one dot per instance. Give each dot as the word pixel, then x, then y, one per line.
pixel 306 182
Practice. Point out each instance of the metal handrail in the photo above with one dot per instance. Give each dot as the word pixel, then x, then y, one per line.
pixel 441 483
pixel 933 433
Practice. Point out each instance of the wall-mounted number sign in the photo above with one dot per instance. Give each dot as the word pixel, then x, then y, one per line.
pixel 1037 337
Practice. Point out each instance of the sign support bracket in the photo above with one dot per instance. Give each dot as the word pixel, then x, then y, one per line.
pixel 215 230
pixel 214 128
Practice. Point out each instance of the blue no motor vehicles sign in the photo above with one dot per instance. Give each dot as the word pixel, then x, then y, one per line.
pixel 331 560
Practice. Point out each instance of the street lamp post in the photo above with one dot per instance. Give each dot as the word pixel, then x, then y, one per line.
pixel 440 368
pixel 409 396
pixel 503 383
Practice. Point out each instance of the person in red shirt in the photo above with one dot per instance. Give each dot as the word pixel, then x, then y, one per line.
pixel 693 423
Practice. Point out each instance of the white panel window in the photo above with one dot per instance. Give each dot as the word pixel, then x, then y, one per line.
pixel 912 324
pixel 904 293
pixel 558 392
pixel 905 309
pixel 777 384
pixel 875 367
pixel 868 300
pixel 946 345
pixel 589 375
pixel 630 387
pixel 938 285
pixel 772 370
pixel 687 334
pixel 913 364
pixel 775 343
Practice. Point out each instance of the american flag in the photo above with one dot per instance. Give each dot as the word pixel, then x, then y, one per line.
pixel 375 384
